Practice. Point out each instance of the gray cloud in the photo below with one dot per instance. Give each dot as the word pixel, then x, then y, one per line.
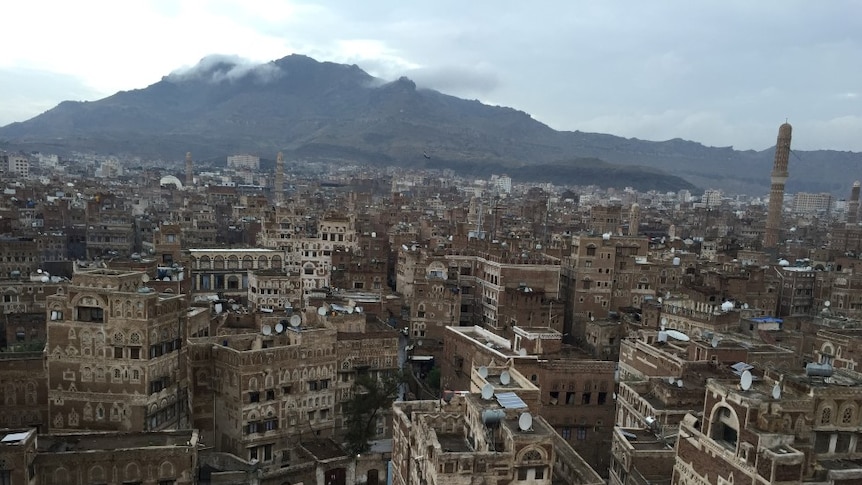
pixel 218 68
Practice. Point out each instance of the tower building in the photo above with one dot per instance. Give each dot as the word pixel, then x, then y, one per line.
pixel 189 173
pixel 279 179
pixel 853 206
pixel 776 191
pixel 634 219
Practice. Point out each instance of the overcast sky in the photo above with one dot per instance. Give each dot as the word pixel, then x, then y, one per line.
pixel 718 72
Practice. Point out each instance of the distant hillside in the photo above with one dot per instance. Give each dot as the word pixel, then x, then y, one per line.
pixel 322 110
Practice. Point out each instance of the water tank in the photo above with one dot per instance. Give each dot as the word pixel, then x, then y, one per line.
pixel 818 370
pixel 491 417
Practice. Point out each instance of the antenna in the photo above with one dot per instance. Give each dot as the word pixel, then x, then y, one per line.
pixel 505 378
pixel 279 327
pixel 295 320
pixel 671 380
pixel 483 372
pixel 715 342
pixel 827 303
pixel 525 421
pixel 267 330
pixel 663 322
pixel 776 391
pixel 679 383
pixel 745 380
pixel 522 352
pixel 487 392
pixel 322 311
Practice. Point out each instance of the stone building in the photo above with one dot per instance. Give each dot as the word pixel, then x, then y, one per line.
pixel 466 439
pixel 781 427
pixel 225 271
pixel 113 354
pixel 24 386
pixel 163 458
pixel 272 398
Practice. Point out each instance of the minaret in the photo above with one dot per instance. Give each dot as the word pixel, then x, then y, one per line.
pixel 776 190
pixel 279 179
pixel 853 206
pixel 190 179
pixel 634 219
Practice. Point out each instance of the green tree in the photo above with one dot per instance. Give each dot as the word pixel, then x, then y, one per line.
pixel 434 378
pixel 371 398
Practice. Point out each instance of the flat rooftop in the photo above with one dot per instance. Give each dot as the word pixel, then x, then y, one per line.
pixel 115 441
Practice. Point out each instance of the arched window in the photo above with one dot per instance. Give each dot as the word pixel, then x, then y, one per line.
pixel 232 262
pixel 218 262
pixel 205 263
pixel 262 262
pixel 724 428
pixel 247 262
pixel 847 415
pixel 826 415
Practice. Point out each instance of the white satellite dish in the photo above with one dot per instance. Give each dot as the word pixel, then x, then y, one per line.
pixel 663 322
pixel 279 327
pixel 487 392
pixel 295 320
pixel 745 306
pixel 505 378
pixel 483 372
pixel 359 309
pixel 522 352
pixel 679 383
pixel 827 303
pixel 525 421
pixel 745 381
pixel 715 342
pixel 671 380
pixel 145 278
pixel 677 335
pixel 267 330
pixel 322 311
pixel 776 391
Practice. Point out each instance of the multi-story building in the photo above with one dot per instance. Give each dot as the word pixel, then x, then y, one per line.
pixel 225 271
pixel 465 438
pixel 806 203
pixel 243 162
pixel 165 457
pixel 779 427
pixel 113 354
pixel 261 396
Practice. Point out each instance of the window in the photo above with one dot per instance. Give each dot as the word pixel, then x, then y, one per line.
pixel 603 397
pixel 286 389
pixel 566 433
pixel 585 398
pixel 254 396
pixel 134 353
pixel 118 352
pixel 270 394
pixel 312 385
pixel 582 433
pixel 270 424
pixel 591 251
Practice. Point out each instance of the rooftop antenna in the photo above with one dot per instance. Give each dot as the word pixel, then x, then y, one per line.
pixel 505 378
pixel 483 372
pixel 487 392
pixel 715 342
pixel 295 321
pixel 279 327
pixel 267 330
pixel 522 352
pixel 776 391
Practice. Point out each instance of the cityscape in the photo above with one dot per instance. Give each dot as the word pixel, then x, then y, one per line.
pixel 295 321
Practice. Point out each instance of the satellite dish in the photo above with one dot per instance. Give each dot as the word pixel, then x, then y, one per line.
pixel 525 422
pixel 322 311
pixel 267 330
pixel 827 303
pixel 505 378
pixel 715 342
pixel 745 381
pixel 776 391
pixel 44 279
pixel 359 309
pixel 279 327
pixel 677 335
pixel 145 278
pixel 663 322
pixel 295 320
pixel 487 392
pixel 483 372
pixel 679 383
pixel 671 380
pixel 745 306
pixel 522 352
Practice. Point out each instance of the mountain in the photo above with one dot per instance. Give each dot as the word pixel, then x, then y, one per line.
pixel 323 110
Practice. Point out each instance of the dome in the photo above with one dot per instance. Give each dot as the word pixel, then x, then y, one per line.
pixel 171 180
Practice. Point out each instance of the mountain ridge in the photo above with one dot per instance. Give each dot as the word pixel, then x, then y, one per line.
pixel 328 110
